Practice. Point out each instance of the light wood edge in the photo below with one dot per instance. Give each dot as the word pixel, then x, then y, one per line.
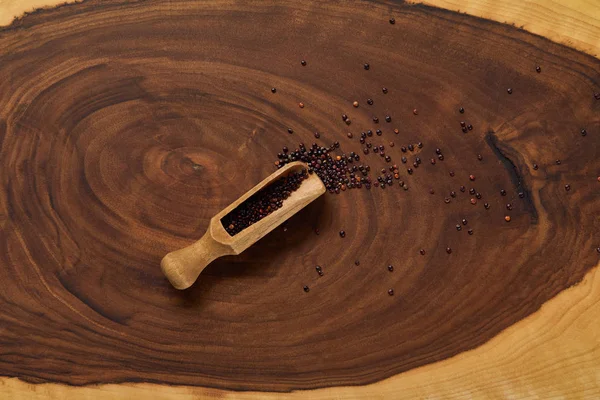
pixel 553 353
pixel 574 23
pixel 11 9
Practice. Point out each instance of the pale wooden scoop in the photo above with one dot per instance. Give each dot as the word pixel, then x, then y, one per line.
pixel 183 266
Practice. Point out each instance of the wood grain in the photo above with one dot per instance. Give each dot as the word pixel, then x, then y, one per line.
pixel 520 265
pixel 11 11
pixel 574 23
pixel 552 354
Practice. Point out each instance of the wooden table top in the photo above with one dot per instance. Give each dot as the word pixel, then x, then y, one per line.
pixel 537 352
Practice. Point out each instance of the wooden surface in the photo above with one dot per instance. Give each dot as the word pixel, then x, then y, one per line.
pixel 553 354
pixel 518 266
pixel 574 23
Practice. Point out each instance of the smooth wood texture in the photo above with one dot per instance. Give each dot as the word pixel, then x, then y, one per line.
pixel 13 10
pixel 574 23
pixel 182 267
pixel 552 354
pixel 499 377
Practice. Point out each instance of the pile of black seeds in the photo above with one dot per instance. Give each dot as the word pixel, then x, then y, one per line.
pixel 262 203
pixel 338 173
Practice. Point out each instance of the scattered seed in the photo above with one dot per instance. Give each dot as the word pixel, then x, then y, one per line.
pixel 391 292
pixel 390 268
pixel 303 62
pixel 509 91
pixel 273 90
pixel 461 110
pixel 355 104
pixel 507 218
pixel 306 289
pixel 392 21
pixel 342 234
pixel 415 111
pixel 473 201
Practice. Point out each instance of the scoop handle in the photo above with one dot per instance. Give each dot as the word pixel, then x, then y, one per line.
pixel 182 267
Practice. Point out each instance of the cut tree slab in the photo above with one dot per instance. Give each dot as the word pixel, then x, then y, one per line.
pixel 125 126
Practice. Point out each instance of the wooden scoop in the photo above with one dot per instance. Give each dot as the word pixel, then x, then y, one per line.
pixel 183 266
